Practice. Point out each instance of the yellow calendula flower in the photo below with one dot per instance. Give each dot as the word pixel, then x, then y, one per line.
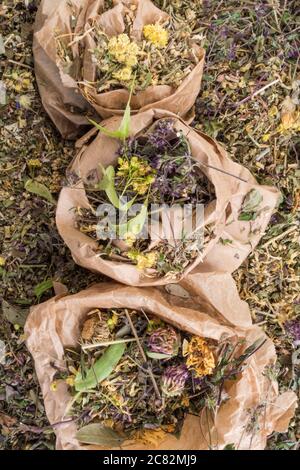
pixel 123 50
pixel 200 358
pixel 123 75
pixel 156 34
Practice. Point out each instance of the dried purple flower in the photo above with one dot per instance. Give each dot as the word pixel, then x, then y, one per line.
pixel 162 134
pixel 164 341
pixel 293 329
pixel 174 380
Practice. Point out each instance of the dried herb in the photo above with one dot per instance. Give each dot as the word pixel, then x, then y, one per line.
pixel 155 167
pixel 149 382
pixel 164 55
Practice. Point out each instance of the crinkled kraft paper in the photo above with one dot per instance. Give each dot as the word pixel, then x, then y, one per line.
pixel 232 239
pixel 66 102
pixel 55 324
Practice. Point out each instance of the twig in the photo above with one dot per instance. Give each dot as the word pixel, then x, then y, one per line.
pixel 143 355
pixel 79 38
pixel 223 171
pixel 20 64
pixel 106 343
pixel 211 166
pixel 279 237
pixel 258 92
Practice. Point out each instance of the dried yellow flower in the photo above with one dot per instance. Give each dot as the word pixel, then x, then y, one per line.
pixel 70 380
pixel 129 239
pixel 34 162
pixel 143 261
pixel 53 386
pixel 123 50
pixel 123 75
pixel 156 34
pixel 25 101
pixel 200 358
pixel 112 321
pixel 139 174
pixel 2 261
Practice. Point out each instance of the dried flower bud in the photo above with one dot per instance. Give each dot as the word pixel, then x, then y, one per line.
pixel 174 380
pixel 164 341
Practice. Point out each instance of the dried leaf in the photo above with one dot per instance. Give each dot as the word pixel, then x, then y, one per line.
pixel 250 205
pixel 39 189
pixel 252 201
pixel 99 435
pixel 154 355
pixel 185 345
pixel 15 315
pixel 178 291
pixel 6 420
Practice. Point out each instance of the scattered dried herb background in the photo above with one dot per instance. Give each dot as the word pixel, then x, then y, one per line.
pixel 249 103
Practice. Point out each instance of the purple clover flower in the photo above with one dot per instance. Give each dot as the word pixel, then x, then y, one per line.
pixel 164 341
pixel 174 380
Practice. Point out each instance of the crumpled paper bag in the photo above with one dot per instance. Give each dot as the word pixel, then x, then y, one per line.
pixel 67 103
pixel 232 239
pixel 54 325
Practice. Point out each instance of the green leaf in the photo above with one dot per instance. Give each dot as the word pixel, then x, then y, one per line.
pixel 39 189
pixel 154 355
pixel 252 201
pixel 135 225
pixel 226 241
pixel 107 184
pixel 114 134
pixel 246 216
pixel 100 435
pixel 124 129
pixel 229 447
pixel 43 287
pixel 102 368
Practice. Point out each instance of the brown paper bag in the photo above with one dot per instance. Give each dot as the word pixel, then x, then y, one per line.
pixel 232 239
pixel 65 101
pixel 54 325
